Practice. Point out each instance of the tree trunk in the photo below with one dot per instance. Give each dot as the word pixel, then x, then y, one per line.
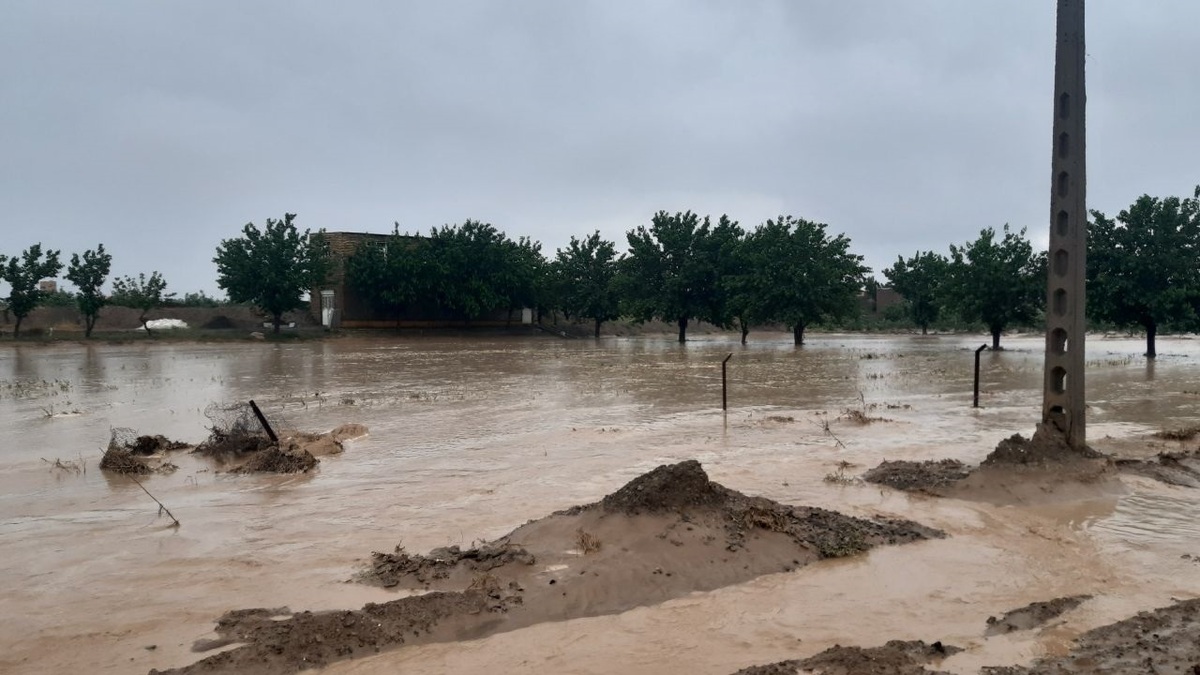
pixel 745 332
pixel 996 338
pixel 277 319
pixel 924 329
pixel 1151 332
pixel 145 324
pixel 17 328
pixel 598 322
pixel 798 334
pixel 683 330
pixel 89 322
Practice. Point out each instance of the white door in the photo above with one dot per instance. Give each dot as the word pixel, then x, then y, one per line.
pixel 327 309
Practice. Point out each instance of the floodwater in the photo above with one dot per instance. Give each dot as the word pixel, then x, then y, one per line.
pixel 473 436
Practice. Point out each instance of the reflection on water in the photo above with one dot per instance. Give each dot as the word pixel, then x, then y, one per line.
pixel 473 436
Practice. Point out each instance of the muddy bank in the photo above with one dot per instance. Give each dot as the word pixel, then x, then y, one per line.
pixel 894 658
pixel 1033 615
pixel 665 534
pixel 237 450
pixel 1164 640
pixel 1018 467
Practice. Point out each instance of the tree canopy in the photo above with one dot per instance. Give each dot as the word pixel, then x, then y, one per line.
pixel 586 275
pixel 674 269
pixel 796 274
pixel 919 280
pixel 998 283
pixel 23 272
pixel 272 268
pixel 89 272
pixel 142 293
pixel 1144 265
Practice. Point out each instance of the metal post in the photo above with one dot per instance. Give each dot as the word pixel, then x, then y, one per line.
pixel 724 387
pixel 977 351
pixel 263 421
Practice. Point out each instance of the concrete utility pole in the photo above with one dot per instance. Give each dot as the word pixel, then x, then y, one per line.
pixel 1063 401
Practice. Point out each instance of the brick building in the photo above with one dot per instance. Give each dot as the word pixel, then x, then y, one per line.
pixel 336 305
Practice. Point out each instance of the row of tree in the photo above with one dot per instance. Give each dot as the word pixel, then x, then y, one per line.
pixel 88 272
pixel 1143 272
pixel 680 268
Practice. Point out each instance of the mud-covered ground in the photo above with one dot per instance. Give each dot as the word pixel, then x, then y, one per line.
pixel 667 533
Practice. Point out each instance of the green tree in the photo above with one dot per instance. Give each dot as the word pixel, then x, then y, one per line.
pixel 587 274
pixel 674 269
pixel 1143 265
pixel 919 281
pixel 143 294
pixel 798 274
pixel 89 272
pixel 23 274
pixel 998 283
pixel 392 275
pixel 272 268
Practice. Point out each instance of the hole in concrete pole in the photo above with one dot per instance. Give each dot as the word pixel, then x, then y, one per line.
pixel 1062 183
pixel 1060 262
pixel 1059 302
pixel 1062 224
pixel 1063 145
pixel 1058 341
pixel 1058 380
pixel 1064 106
pixel 1057 410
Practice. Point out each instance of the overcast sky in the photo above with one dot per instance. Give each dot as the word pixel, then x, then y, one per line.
pixel 161 128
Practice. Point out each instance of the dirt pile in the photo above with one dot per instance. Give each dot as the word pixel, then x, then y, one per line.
pixel 388 569
pixel 1165 640
pixel 665 534
pixel 121 460
pixel 276 459
pixel 918 476
pixel 1046 447
pixel 129 453
pixel 278 641
pixel 1033 614
pixel 670 487
pixel 1180 468
pixel 894 658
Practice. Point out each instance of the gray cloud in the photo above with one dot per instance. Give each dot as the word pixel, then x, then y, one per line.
pixel 161 128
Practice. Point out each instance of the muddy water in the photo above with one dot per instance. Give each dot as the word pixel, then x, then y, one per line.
pixel 471 437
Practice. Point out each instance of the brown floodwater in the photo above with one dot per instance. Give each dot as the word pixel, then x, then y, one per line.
pixel 473 436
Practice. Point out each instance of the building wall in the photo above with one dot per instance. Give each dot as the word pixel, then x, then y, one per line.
pixel 355 312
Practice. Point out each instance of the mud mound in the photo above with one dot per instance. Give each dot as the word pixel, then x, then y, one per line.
pixel 219 322
pixel 1046 447
pixel 149 445
pixel 274 459
pixel 295 642
pixel 1165 640
pixel 894 658
pixel 664 535
pixel 348 432
pixel 670 487
pixel 121 460
pixel 388 569
pixel 1172 468
pixel 918 476
pixel 1033 614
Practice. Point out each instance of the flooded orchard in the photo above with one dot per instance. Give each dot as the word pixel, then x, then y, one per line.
pixel 470 437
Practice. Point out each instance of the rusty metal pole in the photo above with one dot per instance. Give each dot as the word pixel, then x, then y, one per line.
pixel 262 419
pixel 724 386
pixel 977 351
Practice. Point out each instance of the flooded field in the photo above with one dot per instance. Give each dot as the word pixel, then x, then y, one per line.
pixel 471 437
